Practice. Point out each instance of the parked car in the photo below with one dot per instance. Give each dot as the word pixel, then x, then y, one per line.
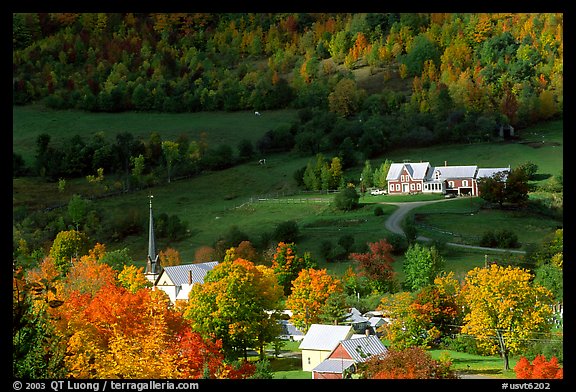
pixel 376 192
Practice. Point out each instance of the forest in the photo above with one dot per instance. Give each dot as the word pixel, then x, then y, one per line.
pixel 446 75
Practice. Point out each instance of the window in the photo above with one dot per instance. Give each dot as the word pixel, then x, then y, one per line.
pixel 308 360
pixel 418 186
pixel 397 187
pixel 464 182
pixel 412 186
pixel 450 184
pixel 402 178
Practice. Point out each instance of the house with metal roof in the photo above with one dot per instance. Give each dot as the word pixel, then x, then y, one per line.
pixel 408 178
pixel 320 340
pixel 342 361
pixel 177 280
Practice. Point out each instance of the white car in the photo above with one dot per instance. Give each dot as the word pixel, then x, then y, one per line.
pixel 376 192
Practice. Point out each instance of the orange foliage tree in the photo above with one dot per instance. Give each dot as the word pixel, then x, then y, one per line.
pixel 540 368
pixel 113 326
pixel 287 264
pixel 311 291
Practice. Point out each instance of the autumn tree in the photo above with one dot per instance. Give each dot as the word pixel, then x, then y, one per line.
pixel 310 296
pixel 376 264
pixel 410 363
pixel 37 351
pixel 424 317
pixel 239 303
pixel 169 257
pixel 346 98
pixel 286 264
pixel 504 309
pixel 132 278
pixel 540 368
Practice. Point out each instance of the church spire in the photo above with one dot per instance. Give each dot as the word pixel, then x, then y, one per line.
pixel 151 243
pixel 152 264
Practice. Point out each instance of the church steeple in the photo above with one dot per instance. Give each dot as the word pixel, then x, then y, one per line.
pixel 152 262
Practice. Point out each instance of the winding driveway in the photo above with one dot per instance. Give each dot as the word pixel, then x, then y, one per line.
pixel 394 224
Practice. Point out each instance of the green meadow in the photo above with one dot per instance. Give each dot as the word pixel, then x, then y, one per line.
pixel 214 202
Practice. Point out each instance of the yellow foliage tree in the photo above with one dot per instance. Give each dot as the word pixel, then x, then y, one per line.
pixel 504 309
pixel 310 292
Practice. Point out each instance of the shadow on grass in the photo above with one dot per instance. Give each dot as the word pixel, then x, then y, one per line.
pixel 285 364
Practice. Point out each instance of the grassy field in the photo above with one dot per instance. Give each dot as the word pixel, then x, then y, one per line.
pixel 28 122
pixel 214 202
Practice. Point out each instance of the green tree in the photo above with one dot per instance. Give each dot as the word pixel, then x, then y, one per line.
pixel 171 154
pixel 346 199
pixel 421 266
pixel 239 303
pixel 77 209
pixel 380 174
pixel 67 246
pixel 366 177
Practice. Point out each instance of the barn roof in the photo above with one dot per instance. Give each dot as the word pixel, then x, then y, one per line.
pixel 360 349
pixel 333 366
pixel 325 337
pixel 447 172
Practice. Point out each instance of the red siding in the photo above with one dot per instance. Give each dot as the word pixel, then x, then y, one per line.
pixel 326 376
pixel 412 185
pixel 340 353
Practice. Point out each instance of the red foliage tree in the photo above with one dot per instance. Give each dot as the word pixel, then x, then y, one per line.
pixel 411 363
pixel 539 368
pixel 376 264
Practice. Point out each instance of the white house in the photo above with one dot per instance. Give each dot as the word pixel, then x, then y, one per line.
pixel 177 280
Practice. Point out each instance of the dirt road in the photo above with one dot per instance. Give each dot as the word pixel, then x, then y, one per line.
pixel 394 224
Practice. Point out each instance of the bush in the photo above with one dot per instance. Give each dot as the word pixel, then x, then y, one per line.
pixel 501 239
pixel 287 231
pixel 347 199
pixel 378 211
pixel 461 343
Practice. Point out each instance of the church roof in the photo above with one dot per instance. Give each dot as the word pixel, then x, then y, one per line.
pixel 181 274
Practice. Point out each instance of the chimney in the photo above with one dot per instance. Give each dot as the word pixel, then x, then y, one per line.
pixel 190 277
pixel 445 163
